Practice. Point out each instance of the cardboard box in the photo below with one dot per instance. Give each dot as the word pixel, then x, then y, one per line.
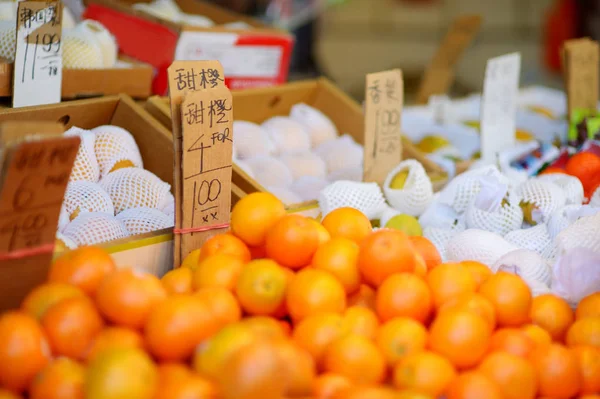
pixel 250 58
pixel 132 78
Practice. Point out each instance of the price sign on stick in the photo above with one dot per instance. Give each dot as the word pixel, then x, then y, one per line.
pixel 499 105
pixel 383 142
pixel 581 63
pixel 185 77
pixel 439 75
pixel 34 176
pixel 37 77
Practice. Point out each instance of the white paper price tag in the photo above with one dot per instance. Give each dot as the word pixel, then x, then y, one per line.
pixel 37 77
pixel 499 105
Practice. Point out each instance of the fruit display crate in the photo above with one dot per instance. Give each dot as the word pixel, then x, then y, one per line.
pixel 259 56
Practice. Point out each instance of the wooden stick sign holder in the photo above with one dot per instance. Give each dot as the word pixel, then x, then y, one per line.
pixel 36 163
pixel 201 106
pixel 580 67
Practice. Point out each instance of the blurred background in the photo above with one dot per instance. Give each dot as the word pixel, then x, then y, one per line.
pixel 345 39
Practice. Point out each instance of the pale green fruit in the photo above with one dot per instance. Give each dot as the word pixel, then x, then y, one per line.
pixel 399 180
pixel 405 223
pixel 430 144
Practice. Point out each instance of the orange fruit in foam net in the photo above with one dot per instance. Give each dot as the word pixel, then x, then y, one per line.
pixel 427 250
pixel 24 350
pixel 425 372
pixel 61 379
pixel 404 295
pixel 449 281
pixel 44 296
pixel 314 291
pixel 292 241
pixel 84 267
pixel 178 281
pixel 254 215
pixel 261 287
pixel 510 296
pixel 226 244
pixel 357 358
pixel 474 303
pixel 339 256
pixel 553 314
pixel 220 270
pixel 349 223
pixel 514 375
pixel 384 253
pixel 115 337
pixel 558 372
pixel 400 337
pixel 589 307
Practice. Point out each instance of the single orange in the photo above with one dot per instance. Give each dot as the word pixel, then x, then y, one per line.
pixel 427 250
pixel 292 241
pixel 420 267
pixel 373 392
pixel 553 314
pixel 449 281
pixel 513 341
pixel 588 358
pixel 194 386
pixel 584 332
pixel 176 326
pixel 479 271
pixel 178 281
pixel 222 304
pixel 424 372
pixel 299 367
pixel 324 235
pixel 61 379
pixel 264 327
pixel 360 321
pixel 384 253
pixel 314 291
pixel 225 244
pixel 254 215
pixel 261 287
pixel 44 296
pixel 339 256
pixel 365 297
pixel 84 267
pixel 404 295
pixel 553 169
pixel 71 326
pixel 126 297
pixel 586 167
pixel 349 223
pixel 399 337
pixel 475 303
pixel 24 350
pixel 357 358
pixel 540 337
pixel 220 270
pixel 510 296
pixel 514 375
pixel 115 337
pixel 558 372
pixel 170 375
pixel 328 385
pixel 473 385
pixel 462 337
pixel 5 394
pixel 589 306
pixel 316 333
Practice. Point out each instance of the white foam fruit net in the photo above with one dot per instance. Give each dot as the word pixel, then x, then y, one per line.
pixel 417 193
pixel 81 51
pixel 494 208
pixel 366 197
pixel 251 140
pixel 95 228
pixel 480 245
pixel 86 166
pixel 576 274
pixel 308 188
pixel 319 127
pixel 441 216
pixel 84 197
pixel 440 238
pixel 169 207
pixel 270 171
pixel 115 147
pixel 144 220
pixel 135 188
pixel 548 197
pixel 583 233
pixel 571 186
pixel 595 198
pixel 8 40
pixel 65 241
pixel 527 264
pixel 305 164
pixel 287 135
pixel 103 38
pixel 63 219
pixel 343 153
pixel 534 238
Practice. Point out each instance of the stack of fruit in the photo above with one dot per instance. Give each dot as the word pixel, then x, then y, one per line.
pixel 286 307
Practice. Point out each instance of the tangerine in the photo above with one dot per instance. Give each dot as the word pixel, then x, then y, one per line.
pixel 475 303
pixel 115 337
pixel 347 222
pixel 424 372
pixel 427 250
pixel 540 337
pixel 178 281
pixel 479 271
pixel 553 314
pixel 220 270
pixel 403 295
pixel 586 167
pixel 339 256
pixel 365 297
pixel 552 169
pixel 261 287
pixel 588 306
pixel 315 333
pixel 449 281
pixel 44 296
pixel 360 321
pixel 357 358
pixel 292 241
pixel 558 372
pixel 510 296
pixel 62 379
pixel 400 337
pixel 514 375
pixel 323 234
pixel 300 369
pixel 314 291
pixel 473 385
pixel 513 341
pixel 221 303
pixel 225 244
pixel 328 385
pixel 254 215
pixel 588 358
pixel 4 394
pixel 584 331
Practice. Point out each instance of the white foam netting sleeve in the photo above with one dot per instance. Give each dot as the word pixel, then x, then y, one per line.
pixel 84 197
pixel 63 218
pixel 442 216
pixel 567 215
pixel 8 40
pixel 342 153
pixel 251 140
pixel 546 196
pixel 571 186
pixel 480 245
pixel 595 198
pixel 169 207
pixel 576 274
pixel 144 220
pixel 95 228
pixel 366 197
pixel 136 188
pixel 66 241
pixel 440 238
pixel 583 233
pixel 527 264
pixel 270 171
pixel 417 193
pixel 81 50
pixel 286 134
pixel 320 128
pixel 115 145
pixel 534 238
pixel 86 166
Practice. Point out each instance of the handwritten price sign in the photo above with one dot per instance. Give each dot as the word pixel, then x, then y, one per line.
pixel 581 58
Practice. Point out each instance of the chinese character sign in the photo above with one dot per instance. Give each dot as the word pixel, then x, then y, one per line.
pixel 581 58
pixel 383 142
pixel 38 59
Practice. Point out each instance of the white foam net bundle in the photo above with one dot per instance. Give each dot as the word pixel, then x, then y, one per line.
pixel 319 127
pixel 95 228
pixel 251 140
pixel 417 193
pixel 81 51
pixel 576 274
pixel 144 220
pixel 567 215
pixel 480 245
pixel 440 238
pixel 571 186
pixel 8 40
pixel 115 147
pixel 583 233
pixel 527 264
pixel 8 11
pixel 84 197
pixel 366 197
pixel 341 154
pixel 104 40
pixel 169 207
pixel 441 216
pixel 308 187
pixel 287 135
pixel 270 171
pixel 136 188
pixel 245 167
pixel 547 197
pixel 305 164
pixel 535 238
pixel 595 198
pixel 63 219
pixel 86 166
pixel 65 241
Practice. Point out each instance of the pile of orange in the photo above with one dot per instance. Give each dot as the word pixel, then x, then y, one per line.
pixel 586 167
pixel 286 307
